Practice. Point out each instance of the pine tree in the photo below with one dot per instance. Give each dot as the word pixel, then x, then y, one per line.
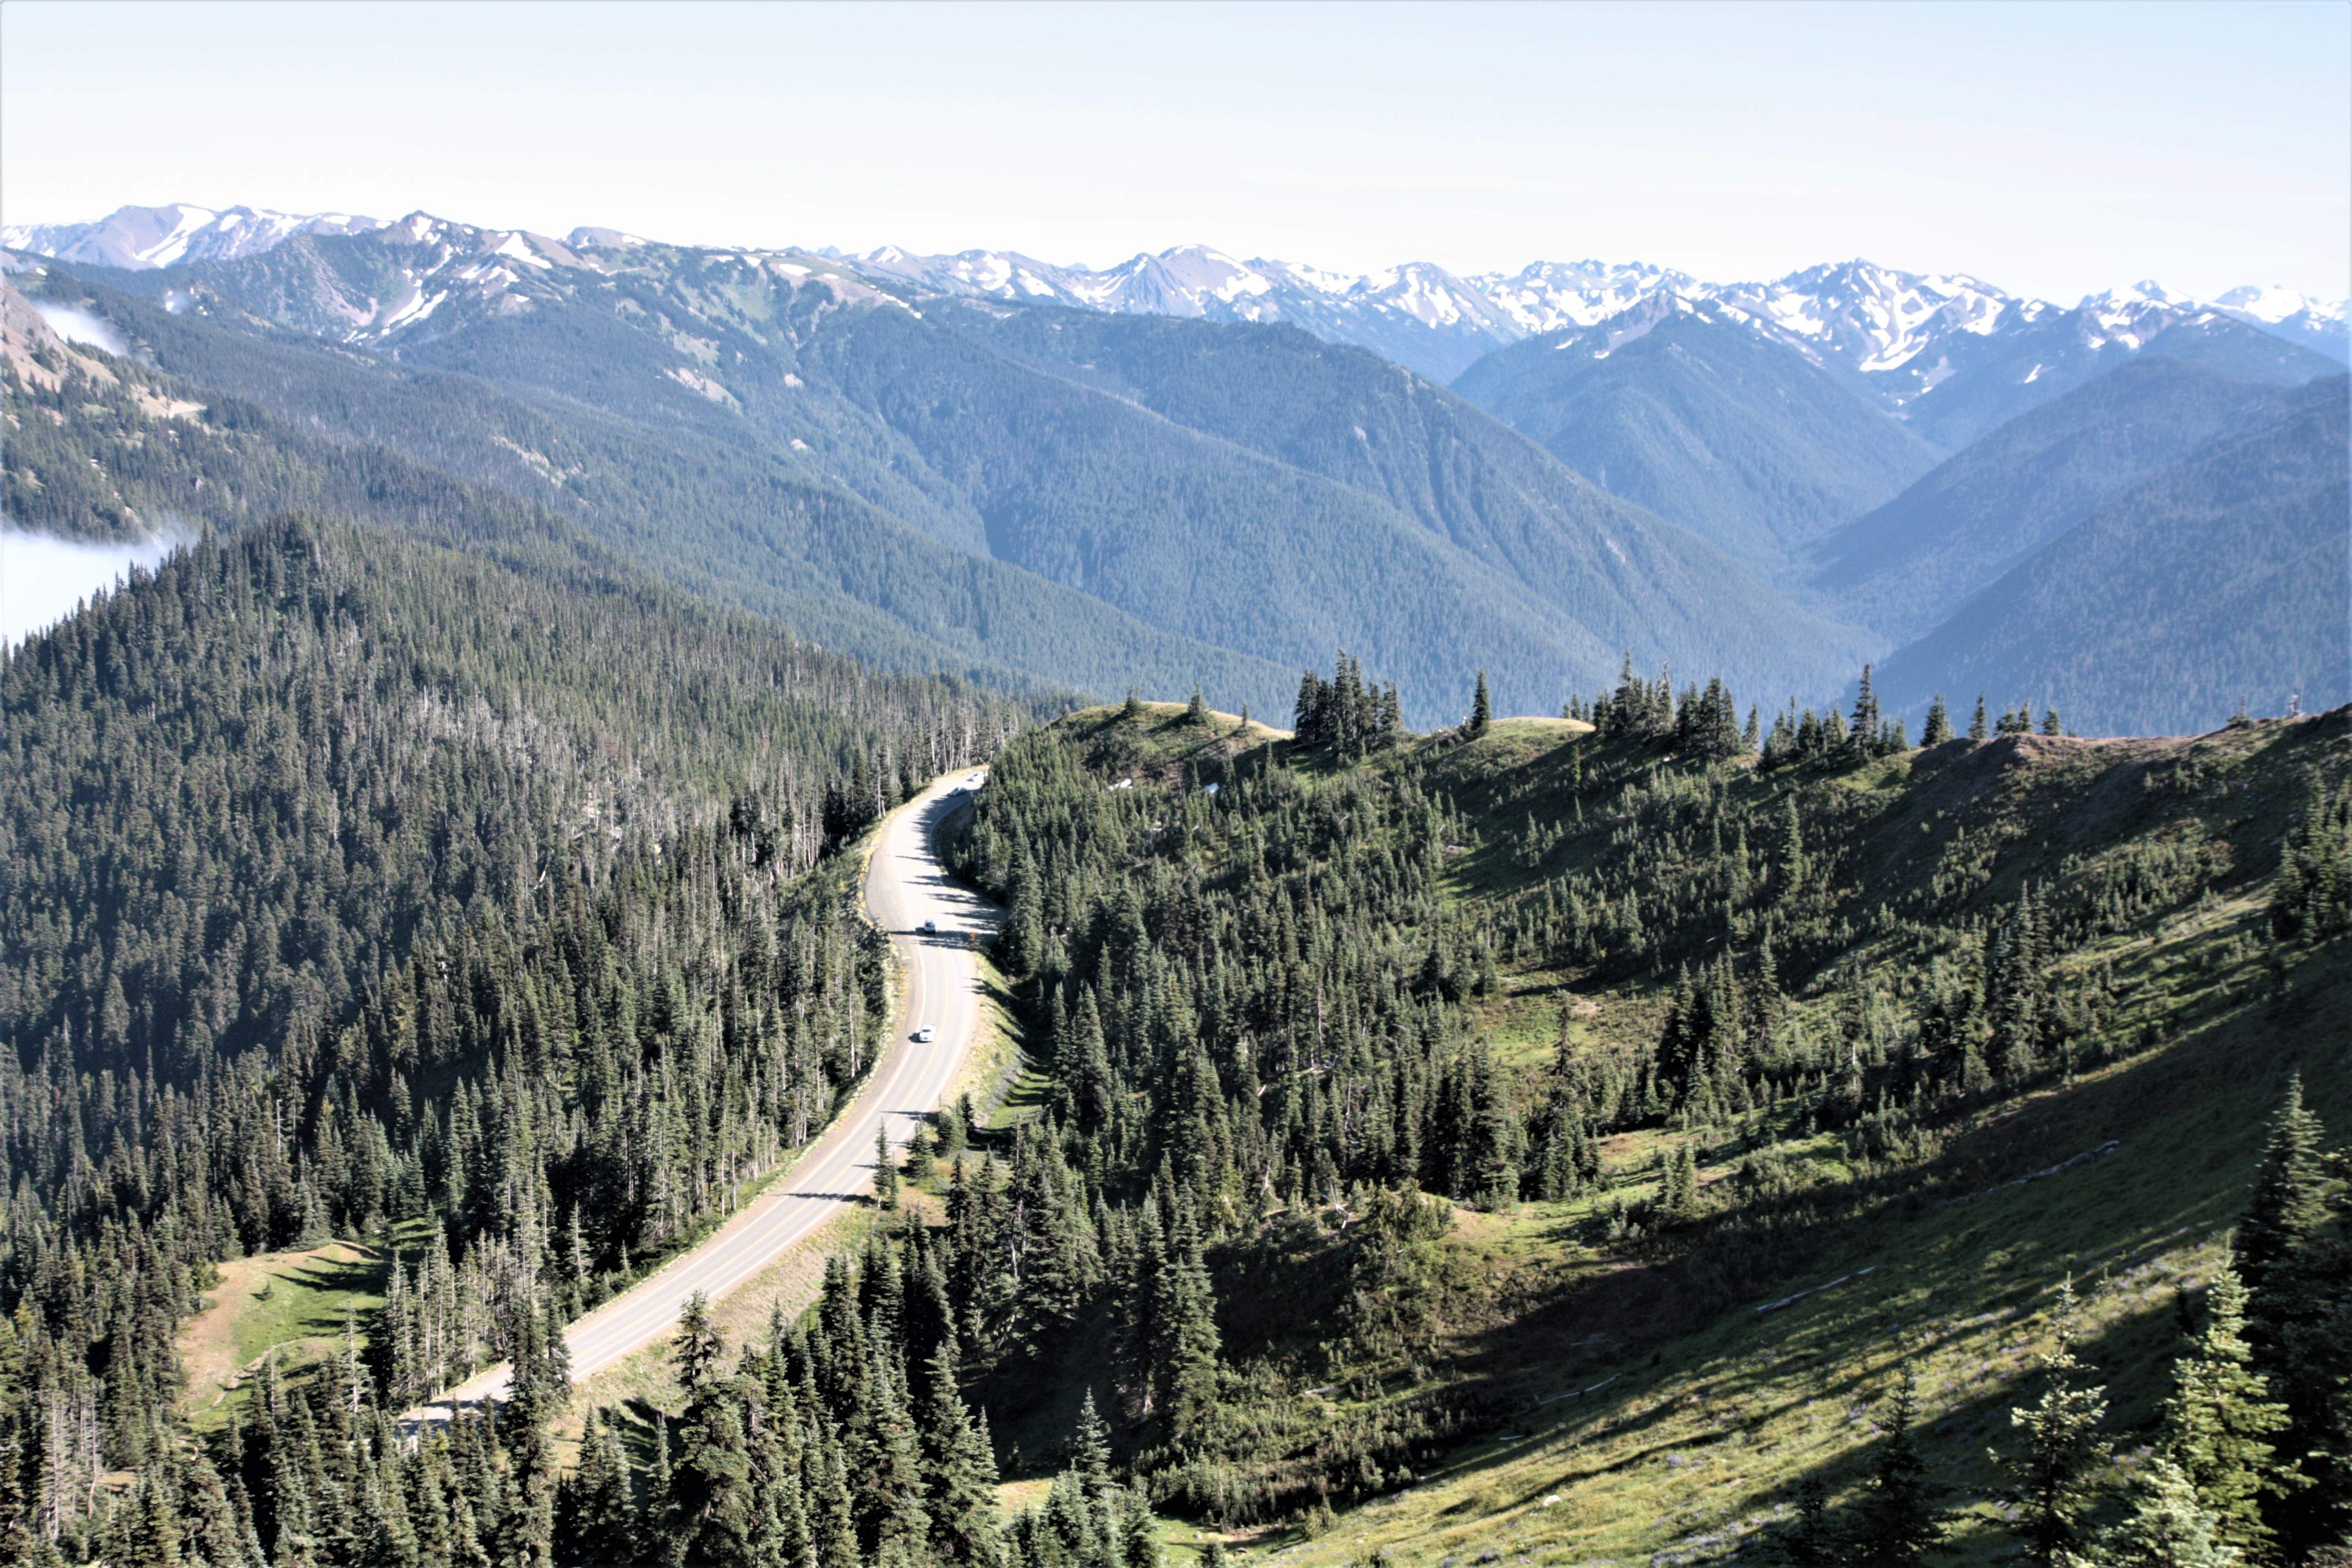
pixel 1184 1339
pixel 1978 729
pixel 888 1474
pixel 1811 1539
pixel 886 1173
pixel 2052 1481
pixel 959 1471
pixel 2168 1526
pixel 540 1383
pixel 2219 1420
pixel 1793 865
pixel 595 1510
pixel 1897 1523
pixel 717 1506
pixel 1090 1448
pixel 153 1540
pixel 697 1346
pixel 2285 1217
pixel 1197 710
pixel 2051 723
pixel 1481 711
pixel 1865 728
pixel 1938 728
pixel 2297 1270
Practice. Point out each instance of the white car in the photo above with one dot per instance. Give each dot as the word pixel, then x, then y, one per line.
pixel 926 1034
pixel 930 928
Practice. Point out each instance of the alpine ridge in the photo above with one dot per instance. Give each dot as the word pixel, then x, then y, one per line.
pixel 1889 328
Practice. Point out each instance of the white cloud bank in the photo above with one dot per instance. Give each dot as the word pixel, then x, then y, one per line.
pixel 43 579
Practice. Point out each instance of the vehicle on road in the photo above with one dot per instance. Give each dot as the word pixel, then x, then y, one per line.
pixel 930 928
pixel 926 1034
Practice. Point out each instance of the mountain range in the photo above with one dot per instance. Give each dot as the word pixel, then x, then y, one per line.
pixel 1887 327
pixel 935 485
pixel 1193 469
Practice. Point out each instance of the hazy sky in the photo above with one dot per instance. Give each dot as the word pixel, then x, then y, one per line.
pixel 2052 149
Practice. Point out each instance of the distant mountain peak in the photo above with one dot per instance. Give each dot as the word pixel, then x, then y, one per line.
pixel 140 239
pixel 1898 333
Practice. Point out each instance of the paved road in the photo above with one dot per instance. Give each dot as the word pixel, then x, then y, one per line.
pixel 904 886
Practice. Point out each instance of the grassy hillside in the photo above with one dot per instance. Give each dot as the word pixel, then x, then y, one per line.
pixel 1594 1356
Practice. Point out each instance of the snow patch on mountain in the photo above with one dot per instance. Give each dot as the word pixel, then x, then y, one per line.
pixel 145 239
pixel 2270 304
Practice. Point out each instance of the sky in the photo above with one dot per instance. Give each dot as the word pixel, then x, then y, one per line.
pixel 2050 150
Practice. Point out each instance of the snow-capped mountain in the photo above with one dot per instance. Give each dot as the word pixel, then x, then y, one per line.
pixel 1417 314
pixel 1893 333
pixel 1548 295
pixel 139 239
pixel 2318 324
pixel 423 278
pixel 1872 321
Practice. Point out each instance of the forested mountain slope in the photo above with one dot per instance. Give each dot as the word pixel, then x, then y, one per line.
pixel 1737 1083
pixel 1683 408
pixel 1434 544
pixel 351 884
pixel 2219 584
pixel 766 388
pixel 1979 383
pixel 678 489
pixel 1904 567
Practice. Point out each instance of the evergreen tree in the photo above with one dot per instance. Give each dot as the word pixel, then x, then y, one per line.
pixel 1481 711
pixel 1897 1523
pixel 716 1506
pixel 888 1478
pixel 1090 1448
pixel 2052 1481
pixel 595 1509
pixel 1938 728
pixel 1184 1339
pixel 697 1346
pixel 1196 711
pixel 1865 728
pixel 2220 1422
pixel 959 1471
pixel 659 1539
pixel 1811 1540
pixel 2297 1269
pixel 152 1538
pixel 885 1173
pixel 1978 729
pixel 2169 1526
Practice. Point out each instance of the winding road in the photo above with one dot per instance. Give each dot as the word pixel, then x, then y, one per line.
pixel 906 885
